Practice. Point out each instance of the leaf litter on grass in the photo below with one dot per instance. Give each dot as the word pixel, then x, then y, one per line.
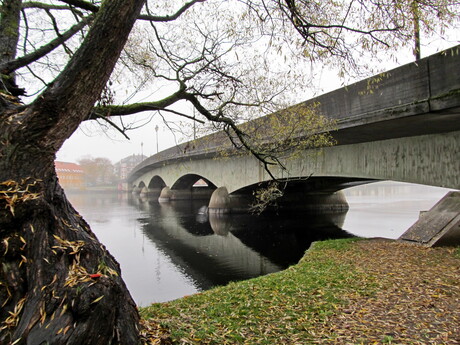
pixel 341 292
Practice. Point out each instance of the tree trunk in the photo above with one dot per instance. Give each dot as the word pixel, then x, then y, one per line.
pixel 9 35
pixel 58 283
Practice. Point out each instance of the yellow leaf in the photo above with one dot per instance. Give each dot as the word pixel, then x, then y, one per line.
pixel 97 299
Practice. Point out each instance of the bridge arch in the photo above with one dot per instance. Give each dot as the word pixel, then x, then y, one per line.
pixel 142 188
pixel 156 184
pixel 187 187
pixel 189 180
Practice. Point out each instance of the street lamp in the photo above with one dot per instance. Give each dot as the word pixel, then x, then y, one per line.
pixel 194 124
pixel 156 130
pixel 142 149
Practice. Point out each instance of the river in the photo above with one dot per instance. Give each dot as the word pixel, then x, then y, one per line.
pixel 167 251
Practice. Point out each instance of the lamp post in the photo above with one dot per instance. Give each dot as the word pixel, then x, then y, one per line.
pixel 142 149
pixel 156 130
pixel 194 124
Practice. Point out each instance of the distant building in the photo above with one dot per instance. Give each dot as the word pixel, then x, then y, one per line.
pixel 124 167
pixel 71 175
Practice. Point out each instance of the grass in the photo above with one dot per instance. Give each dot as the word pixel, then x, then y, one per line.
pixel 341 292
pixel 287 305
pixel 457 253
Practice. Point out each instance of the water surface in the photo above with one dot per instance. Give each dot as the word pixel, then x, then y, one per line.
pixel 167 251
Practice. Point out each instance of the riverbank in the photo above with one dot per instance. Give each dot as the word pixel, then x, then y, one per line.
pixel 341 292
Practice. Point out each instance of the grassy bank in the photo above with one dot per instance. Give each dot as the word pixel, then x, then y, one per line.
pixel 342 292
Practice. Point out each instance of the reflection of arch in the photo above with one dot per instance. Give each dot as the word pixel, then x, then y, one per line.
pixel 188 181
pixel 156 183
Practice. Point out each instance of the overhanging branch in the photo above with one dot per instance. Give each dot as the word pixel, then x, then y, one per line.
pixel 111 123
pixel 130 109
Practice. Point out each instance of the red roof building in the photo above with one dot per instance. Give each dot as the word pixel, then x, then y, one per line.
pixel 71 175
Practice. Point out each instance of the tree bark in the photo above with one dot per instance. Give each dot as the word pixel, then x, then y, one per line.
pixel 58 283
pixel 9 36
pixel 9 29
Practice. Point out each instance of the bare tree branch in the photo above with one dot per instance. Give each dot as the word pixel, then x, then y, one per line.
pixel 43 6
pixel 85 5
pixel 172 17
pixel 112 124
pixel 148 17
pixel 229 127
pixel 309 31
pixel 13 65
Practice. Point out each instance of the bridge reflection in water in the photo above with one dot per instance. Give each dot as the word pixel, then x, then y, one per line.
pixel 216 249
pixel 169 250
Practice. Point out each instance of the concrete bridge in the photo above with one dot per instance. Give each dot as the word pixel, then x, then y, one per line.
pixel 402 125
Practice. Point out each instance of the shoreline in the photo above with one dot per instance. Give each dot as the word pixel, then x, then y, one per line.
pixel 353 291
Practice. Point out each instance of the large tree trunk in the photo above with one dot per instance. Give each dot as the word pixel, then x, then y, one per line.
pixel 58 284
pixel 51 291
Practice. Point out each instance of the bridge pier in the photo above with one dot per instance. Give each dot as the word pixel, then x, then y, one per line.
pixel 154 193
pixel 221 202
pixel 165 195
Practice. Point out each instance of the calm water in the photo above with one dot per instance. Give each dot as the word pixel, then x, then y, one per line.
pixel 167 251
